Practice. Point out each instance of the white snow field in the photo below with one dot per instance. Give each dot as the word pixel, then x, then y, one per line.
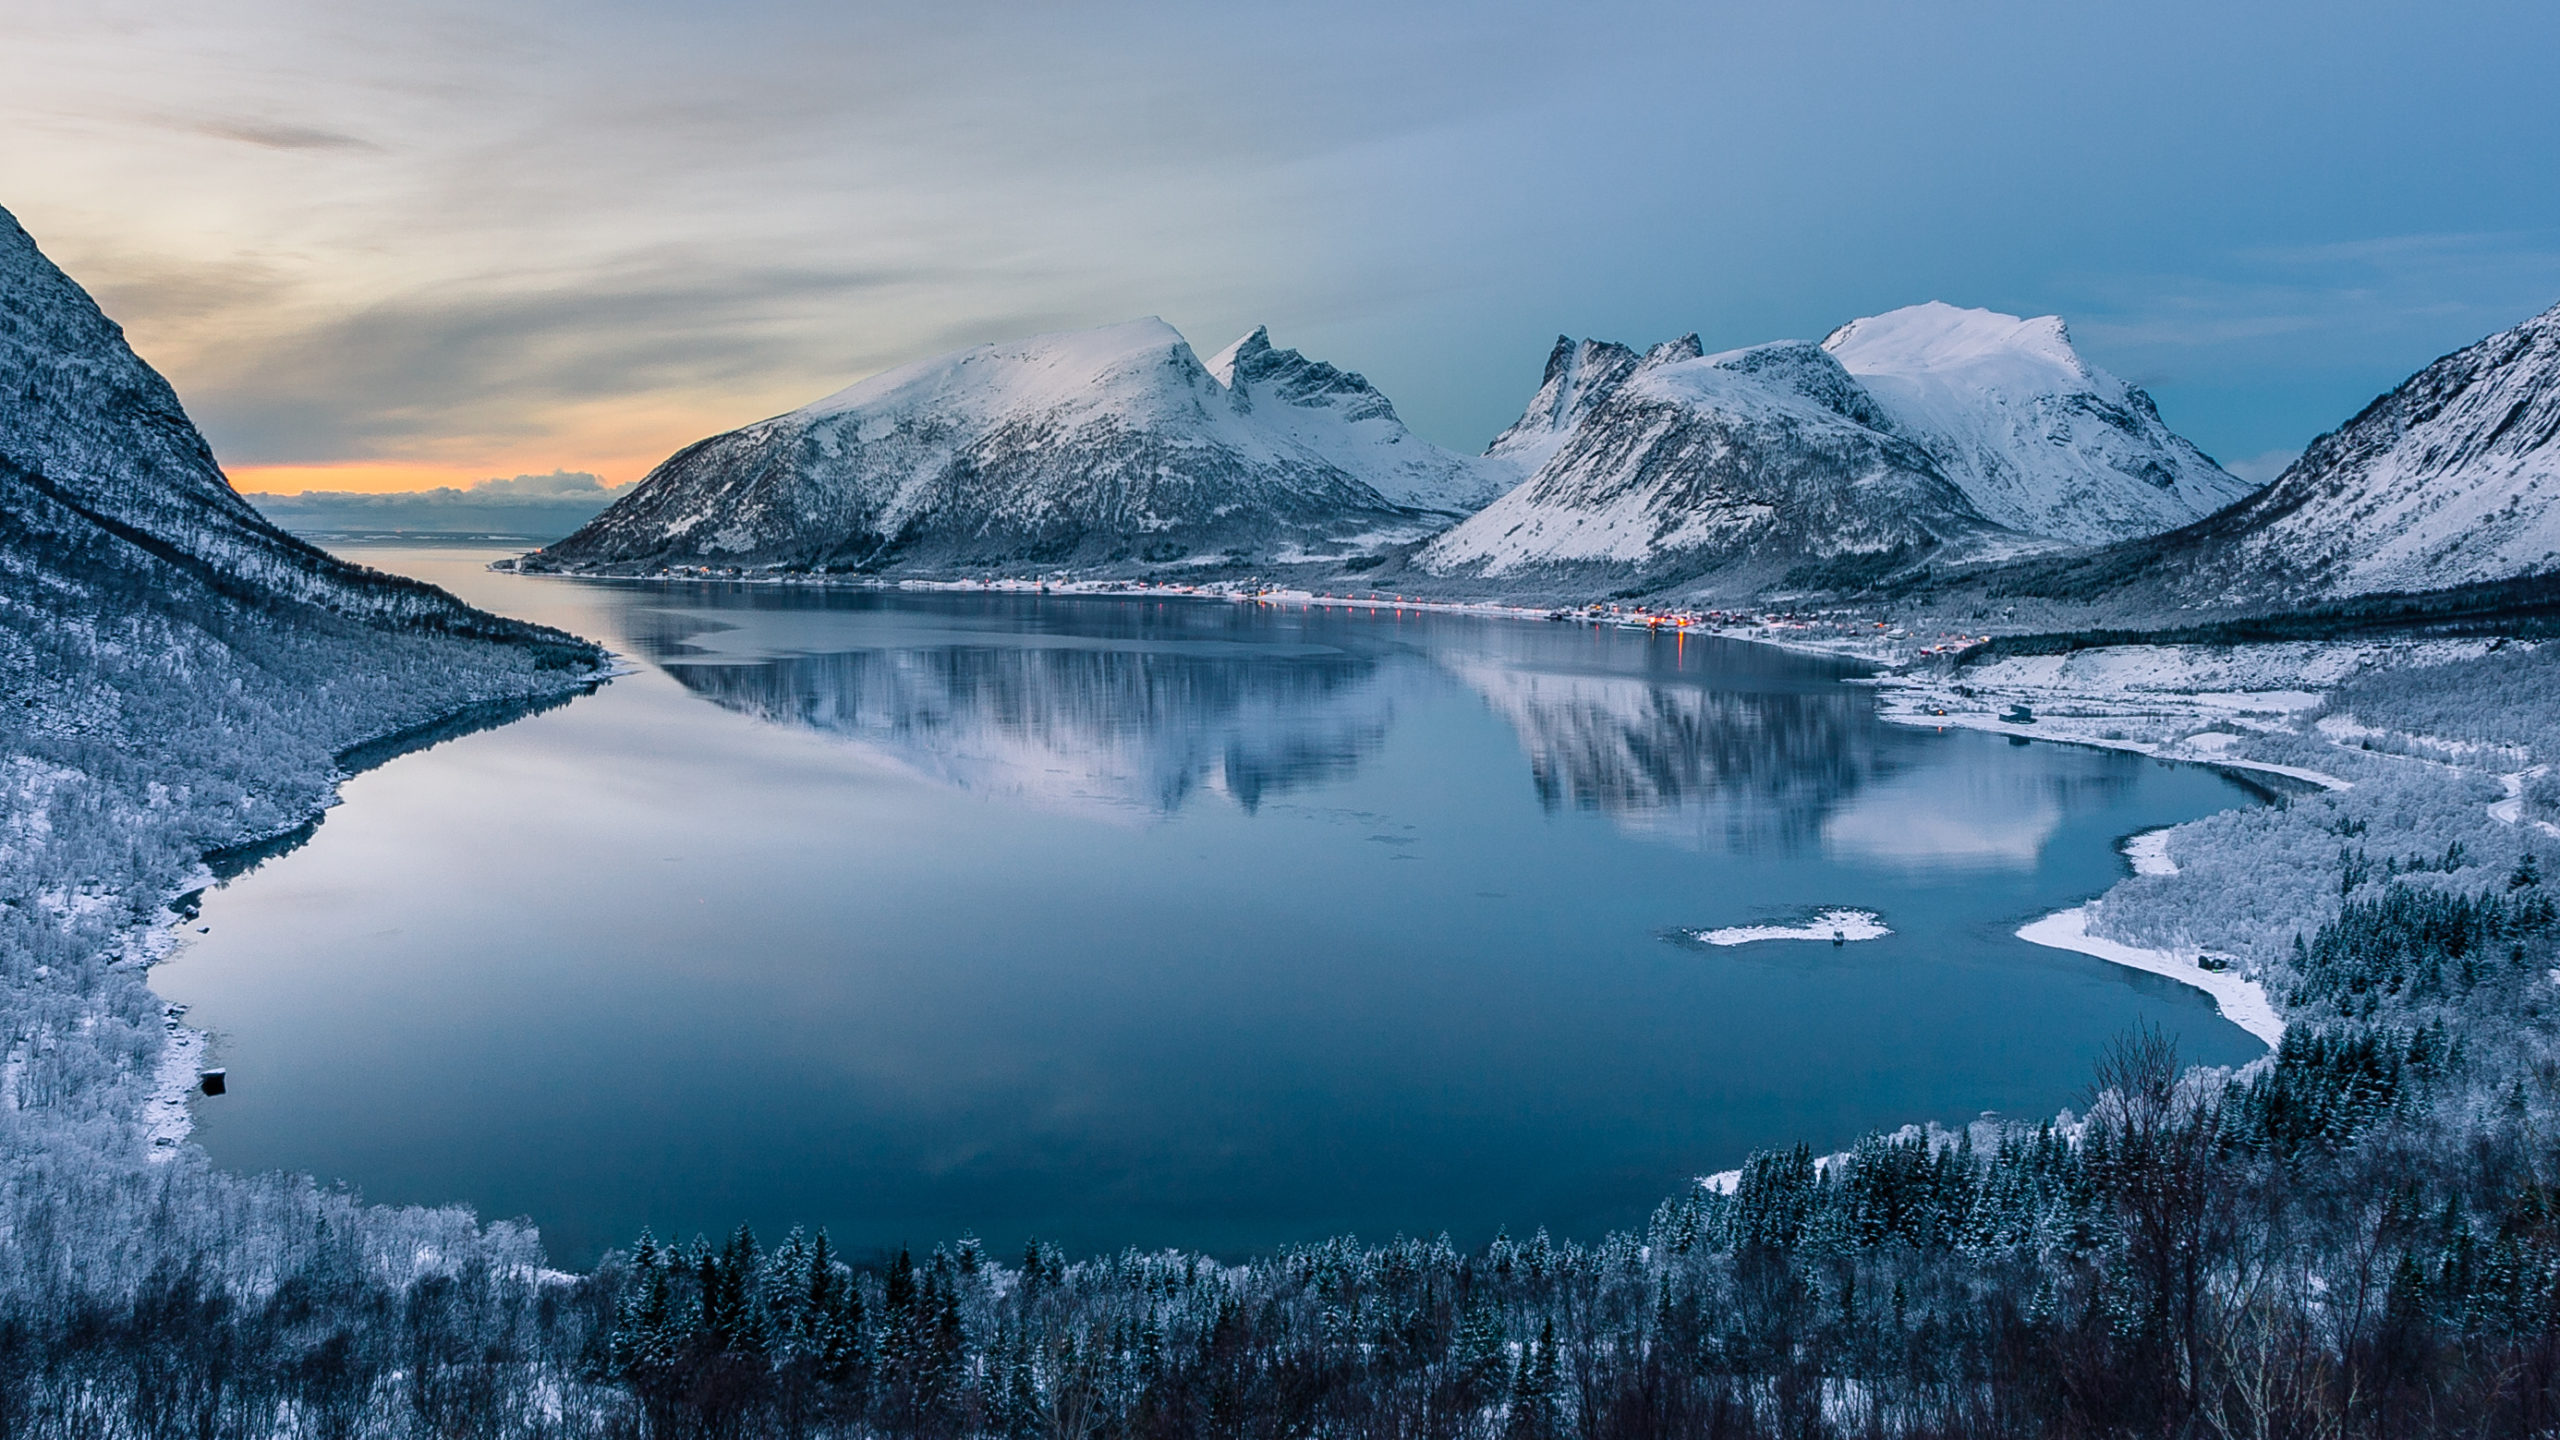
pixel 2039 439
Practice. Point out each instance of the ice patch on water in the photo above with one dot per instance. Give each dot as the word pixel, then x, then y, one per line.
pixel 1835 925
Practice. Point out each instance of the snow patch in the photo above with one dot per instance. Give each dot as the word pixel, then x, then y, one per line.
pixel 2149 853
pixel 1838 926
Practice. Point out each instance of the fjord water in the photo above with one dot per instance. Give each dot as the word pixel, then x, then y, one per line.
pixel 1151 922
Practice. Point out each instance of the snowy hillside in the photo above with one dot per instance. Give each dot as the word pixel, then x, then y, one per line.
pixel 1728 473
pixel 2038 439
pixel 100 467
pixel 177 678
pixel 1112 448
pixel 2452 478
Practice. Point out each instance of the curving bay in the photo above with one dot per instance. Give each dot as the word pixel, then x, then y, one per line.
pixel 1151 922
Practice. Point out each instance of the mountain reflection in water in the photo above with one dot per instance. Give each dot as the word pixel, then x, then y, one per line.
pixel 1152 728
pixel 1147 706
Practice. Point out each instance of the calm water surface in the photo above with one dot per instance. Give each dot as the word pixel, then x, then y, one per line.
pixel 1124 922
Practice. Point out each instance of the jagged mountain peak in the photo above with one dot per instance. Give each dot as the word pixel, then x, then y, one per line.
pixel 1672 352
pixel 1339 415
pixel 1107 451
pixel 1249 349
pixel 1252 367
pixel 1579 375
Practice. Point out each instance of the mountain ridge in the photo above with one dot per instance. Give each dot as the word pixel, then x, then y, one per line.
pixel 1708 475
pixel 2447 482
pixel 1113 447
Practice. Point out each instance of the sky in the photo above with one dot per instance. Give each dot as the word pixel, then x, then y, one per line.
pixel 381 246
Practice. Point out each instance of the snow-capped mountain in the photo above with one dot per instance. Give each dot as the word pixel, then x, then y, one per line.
pixel 1927 435
pixel 2038 439
pixel 1101 448
pixel 2450 479
pixel 1721 474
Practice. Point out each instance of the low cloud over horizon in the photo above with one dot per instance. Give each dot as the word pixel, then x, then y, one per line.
pixel 557 485
pixel 397 245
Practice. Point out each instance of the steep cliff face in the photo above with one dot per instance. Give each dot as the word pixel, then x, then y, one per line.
pixel 1111 449
pixel 1714 474
pixel 2039 440
pixel 1341 417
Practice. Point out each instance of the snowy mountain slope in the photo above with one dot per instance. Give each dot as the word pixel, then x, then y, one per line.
pixel 1724 474
pixel 2038 439
pixel 2450 479
pixel 1110 448
pixel 95 450
pixel 1340 416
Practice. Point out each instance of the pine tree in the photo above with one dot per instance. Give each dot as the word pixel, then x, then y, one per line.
pixel 1533 1389
pixel 1479 1347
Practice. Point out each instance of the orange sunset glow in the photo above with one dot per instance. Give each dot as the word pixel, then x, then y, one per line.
pixel 392 476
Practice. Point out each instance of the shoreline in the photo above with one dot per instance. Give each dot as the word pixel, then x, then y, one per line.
pixel 1900 711
pixel 2240 1000
pixel 1854 646
pixel 167 1114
